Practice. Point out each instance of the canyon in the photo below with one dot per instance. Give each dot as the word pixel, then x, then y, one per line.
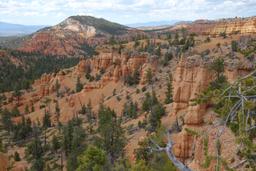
pixel 104 80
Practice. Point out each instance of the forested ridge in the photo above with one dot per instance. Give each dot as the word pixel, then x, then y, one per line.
pixel 19 69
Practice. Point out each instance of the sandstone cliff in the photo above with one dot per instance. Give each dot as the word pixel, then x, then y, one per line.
pixel 191 77
pixel 229 26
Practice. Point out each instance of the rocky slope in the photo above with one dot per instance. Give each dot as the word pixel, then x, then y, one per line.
pixel 75 35
pixel 103 79
pixel 191 77
pixel 216 27
pixel 228 26
pixel 72 36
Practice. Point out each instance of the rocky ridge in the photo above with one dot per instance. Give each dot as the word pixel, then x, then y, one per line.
pixel 74 35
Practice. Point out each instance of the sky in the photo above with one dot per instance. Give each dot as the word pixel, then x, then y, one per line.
pixel 51 12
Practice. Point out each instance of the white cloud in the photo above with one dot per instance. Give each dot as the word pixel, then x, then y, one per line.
pixel 124 11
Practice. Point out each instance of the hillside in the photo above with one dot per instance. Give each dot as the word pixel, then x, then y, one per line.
pixel 112 110
pixel 101 25
pixel 78 35
pixel 216 27
pixel 74 36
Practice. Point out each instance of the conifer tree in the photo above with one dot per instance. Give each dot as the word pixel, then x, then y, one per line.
pixel 168 93
pixel 111 133
pixel 79 85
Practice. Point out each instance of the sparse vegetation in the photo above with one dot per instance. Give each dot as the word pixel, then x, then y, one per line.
pixel 63 124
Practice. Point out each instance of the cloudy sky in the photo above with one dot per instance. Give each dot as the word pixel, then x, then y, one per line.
pixel 50 12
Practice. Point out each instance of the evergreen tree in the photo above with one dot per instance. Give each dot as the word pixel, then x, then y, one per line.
pixel 155 117
pixel 149 101
pixel 73 136
pixel 26 109
pixel 32 108
pixel 167 57
pixel 38 164
pixel 22 130
pixel 218 67
pixel 130 109
pixel 141 166
pixel 132 79
pixel 55 143
pixel 111 132
pixel 156 109
pixel 89 113
pixel 17 93
pixel 168 93
pixel 92 159
pixel 1 146
pixel 16 156
pixel 149 76
pixel 234 46
pixel 79 86
pixel 35 150
pixel 57 87
pixel 15 111
pixel 57 112
pixel 6 120
pixel 46 120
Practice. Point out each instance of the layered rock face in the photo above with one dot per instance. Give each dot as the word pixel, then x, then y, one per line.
pixel 55 42
pixel 116 67
pixel 229 26
pixel 46 84
pixel 190 79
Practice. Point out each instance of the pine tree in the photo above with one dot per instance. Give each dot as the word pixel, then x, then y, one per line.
pixel 1 146
pixel 26 109
pixel 15 111
pixel 218 67
pixel 155 117
pixel 92 159
pixel 168 93
pixel 6 120
pixel 46 120
pixel 17 93
pixel 79 86
pixel 55 143
pixel 32 108
pixel 89 112
pixel 149 76
pixel 35 149
pixel 16 156
pixel 111 132
pixel 234 46
pixel 57 112
pixel 57 87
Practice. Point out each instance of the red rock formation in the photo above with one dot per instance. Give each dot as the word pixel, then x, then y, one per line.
pixel 115 66
pixel 183 149
pixel 229 26
pixel 190 79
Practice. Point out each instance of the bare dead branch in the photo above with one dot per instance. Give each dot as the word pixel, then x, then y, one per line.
pixel 171 156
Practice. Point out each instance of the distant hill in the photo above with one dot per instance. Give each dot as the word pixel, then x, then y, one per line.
pixel 72 36
pixel 100 24
pixel 8 29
